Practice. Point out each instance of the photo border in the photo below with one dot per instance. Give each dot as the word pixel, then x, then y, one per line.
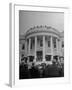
pixel 14 45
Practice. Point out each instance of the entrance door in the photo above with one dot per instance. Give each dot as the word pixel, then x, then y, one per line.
pixel 39 55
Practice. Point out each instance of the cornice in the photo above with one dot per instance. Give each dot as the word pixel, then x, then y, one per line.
pixel 42 29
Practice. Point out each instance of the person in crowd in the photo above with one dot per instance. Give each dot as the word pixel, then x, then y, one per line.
pixel 61 71
pixel 24 72
pixel 52 70
pixel 34 73
pixel 60 65
pixel 43 69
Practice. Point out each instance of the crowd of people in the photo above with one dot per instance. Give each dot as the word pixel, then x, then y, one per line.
pixel 56 69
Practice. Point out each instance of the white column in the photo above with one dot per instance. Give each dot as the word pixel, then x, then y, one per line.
pixel 26 47
pixel 29 46
pixel 51 48
pixel 60 47
pixel 43 48
pixel 35 48
pixel 57 43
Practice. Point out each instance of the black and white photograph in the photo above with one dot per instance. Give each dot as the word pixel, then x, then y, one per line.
pixel 41 44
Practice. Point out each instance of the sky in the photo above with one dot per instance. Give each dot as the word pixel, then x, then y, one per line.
pixel 29 19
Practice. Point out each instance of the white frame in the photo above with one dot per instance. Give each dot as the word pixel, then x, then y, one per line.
pixel 14 46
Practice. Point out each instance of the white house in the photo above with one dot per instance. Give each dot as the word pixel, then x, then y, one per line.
pixel 41 44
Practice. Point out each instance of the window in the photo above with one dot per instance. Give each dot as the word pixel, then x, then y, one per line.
pixel 41 42
pixel 62 44
pixel 23 46
pixel 49 41
pixel 31 58
pixel 48 57
pixel 32 43
pixel 22 57
pixel 27 44
pixel 54 42
pixel 55 57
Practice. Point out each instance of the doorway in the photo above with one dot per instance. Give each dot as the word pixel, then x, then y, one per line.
pixel 39 55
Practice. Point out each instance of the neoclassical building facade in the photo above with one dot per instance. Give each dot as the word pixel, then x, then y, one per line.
pixel 41 44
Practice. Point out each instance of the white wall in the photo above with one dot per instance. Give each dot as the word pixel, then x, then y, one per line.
pixel 4 42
